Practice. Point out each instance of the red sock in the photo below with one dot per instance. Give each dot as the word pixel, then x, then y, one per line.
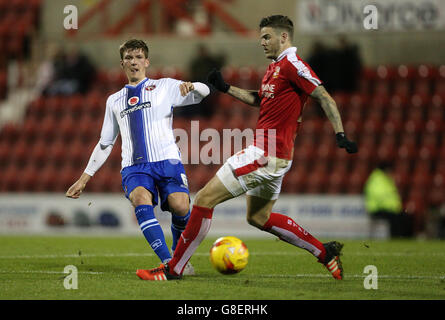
pixel 197 228
pixel 287 230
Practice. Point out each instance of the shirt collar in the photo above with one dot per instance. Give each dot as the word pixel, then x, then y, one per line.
pixel 285 53
pixel 140 83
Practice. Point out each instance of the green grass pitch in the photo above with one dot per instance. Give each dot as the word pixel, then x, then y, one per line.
pixel 33 268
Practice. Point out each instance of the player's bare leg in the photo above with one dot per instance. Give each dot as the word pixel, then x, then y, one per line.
pixel 258 210
pixel 213 193
pixel 140 196
pixel 260 215
pixel 178 203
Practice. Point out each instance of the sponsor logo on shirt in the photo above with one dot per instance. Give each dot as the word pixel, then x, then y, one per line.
pixel 135 108
pixel 268 91
pixel 150 88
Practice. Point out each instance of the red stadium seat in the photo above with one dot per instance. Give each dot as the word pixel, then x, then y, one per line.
pixel 48 177
pixel 356 181
pixel 39 152
pixel 231 75
pixel 296 179
pixel 74 106
pixel 28 178
pixel 30 129
pixel 310 127
pixel 372 126
pixel 10 179
pixel 48 128
pixel 426 72
pixel 4 154
pixel 249 77
pixel 10 132
pixel 317 177
pixel 338 178
pixel 67 176
pixel 394 121
pixel 37 108
pixel 19 153
pixel 415 120
pixel 57 153
pixel 326 148
pixel 305 149
pixel 386 72
pixel 67 128
pixel 402 88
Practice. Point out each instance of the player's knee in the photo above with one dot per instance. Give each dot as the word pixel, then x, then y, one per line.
pixel 140 196
pixel 180 208
pixel 203 198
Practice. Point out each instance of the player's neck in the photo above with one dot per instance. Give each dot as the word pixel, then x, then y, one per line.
pixel 284 48
pixel 135 82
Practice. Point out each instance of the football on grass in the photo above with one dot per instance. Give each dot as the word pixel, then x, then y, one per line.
pixel 229 255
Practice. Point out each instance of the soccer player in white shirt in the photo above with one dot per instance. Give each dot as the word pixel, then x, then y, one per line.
pixel 142 112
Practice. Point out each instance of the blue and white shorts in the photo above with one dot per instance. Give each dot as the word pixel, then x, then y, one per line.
pixel 161 178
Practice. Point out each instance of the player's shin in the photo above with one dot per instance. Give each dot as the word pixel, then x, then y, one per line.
pixel 152 231
pixel 196 230
pixel 288 230
pixel 177 227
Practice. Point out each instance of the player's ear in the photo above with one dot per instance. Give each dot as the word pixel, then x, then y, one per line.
pixel 284 37
pixel 122 64
pixel 147 63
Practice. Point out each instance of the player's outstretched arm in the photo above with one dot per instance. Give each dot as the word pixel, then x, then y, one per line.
pixel 249 97
pixel 97 159
pixel 186 87
pixel 330 109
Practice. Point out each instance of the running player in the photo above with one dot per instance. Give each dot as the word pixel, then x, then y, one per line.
pixel 255 170
pixel 142 112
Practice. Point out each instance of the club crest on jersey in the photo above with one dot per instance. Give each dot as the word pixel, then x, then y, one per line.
pixel 276 73
pixel 133 101
pixel 150 88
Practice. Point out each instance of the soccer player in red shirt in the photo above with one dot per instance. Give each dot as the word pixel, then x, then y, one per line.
pixel 258 170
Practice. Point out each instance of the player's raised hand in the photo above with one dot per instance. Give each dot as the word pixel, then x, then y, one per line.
pixel 343 142
pixel 216 79
pixel 185 88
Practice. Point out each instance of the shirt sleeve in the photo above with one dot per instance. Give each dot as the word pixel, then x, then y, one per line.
pixel 108 136
pixel 178 100
pixel 301 75
pixel 110 127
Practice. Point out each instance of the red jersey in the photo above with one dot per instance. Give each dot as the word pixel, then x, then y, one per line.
pixel 284 90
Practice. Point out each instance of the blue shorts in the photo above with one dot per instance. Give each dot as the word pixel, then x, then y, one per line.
pixel 161 178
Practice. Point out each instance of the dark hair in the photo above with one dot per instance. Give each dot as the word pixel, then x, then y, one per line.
pixel 278 22
pixel 133 44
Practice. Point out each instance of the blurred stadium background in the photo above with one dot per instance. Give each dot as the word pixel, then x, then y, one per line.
pixel 389 85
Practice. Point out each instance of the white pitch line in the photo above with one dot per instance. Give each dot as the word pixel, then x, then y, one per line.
pixel 301 275
pixel 275 253
pixel 47 272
